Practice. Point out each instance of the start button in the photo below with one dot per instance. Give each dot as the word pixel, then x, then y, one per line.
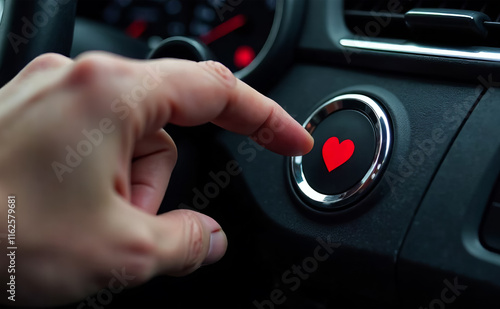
pixel 352 145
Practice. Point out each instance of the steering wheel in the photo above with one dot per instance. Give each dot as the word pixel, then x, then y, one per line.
pixel 30 28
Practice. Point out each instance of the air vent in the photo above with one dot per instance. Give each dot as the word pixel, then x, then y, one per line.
pixel 391 19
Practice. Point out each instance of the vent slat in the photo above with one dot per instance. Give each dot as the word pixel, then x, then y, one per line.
pixel 372 18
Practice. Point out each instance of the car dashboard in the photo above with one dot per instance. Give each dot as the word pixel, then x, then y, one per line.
pixel 407 216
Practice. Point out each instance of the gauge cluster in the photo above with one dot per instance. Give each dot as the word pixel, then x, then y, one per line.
pixel 235 31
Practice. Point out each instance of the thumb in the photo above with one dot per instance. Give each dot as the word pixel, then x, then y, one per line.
pixel 186 240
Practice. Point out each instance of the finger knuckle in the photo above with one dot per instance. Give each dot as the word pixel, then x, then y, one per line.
pixel 97 69
pixel 45 61
pixel 93 77
pixel 48 59
pixel 194 239
pixel 89 67
pixel 220 71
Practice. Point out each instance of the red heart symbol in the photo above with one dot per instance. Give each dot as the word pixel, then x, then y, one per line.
pixel 335 154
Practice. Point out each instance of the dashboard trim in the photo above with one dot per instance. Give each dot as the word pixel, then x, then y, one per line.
pixel 483 54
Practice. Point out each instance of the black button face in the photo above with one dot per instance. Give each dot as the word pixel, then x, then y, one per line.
pixel 343 152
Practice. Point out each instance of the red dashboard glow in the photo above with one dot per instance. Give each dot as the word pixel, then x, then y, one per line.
pixel 224 29
pixel 243 56
pixel 136 29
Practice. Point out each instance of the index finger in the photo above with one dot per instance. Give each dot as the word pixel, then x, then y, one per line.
pixel 187 93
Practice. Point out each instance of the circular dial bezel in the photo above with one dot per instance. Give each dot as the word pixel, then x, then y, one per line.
pixel 383 144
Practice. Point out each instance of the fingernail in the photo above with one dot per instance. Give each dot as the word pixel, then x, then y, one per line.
pixel 218 240
pixel 218 245
pixel 209 223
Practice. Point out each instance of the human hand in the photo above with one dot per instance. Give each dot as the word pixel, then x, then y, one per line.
pixel 82 221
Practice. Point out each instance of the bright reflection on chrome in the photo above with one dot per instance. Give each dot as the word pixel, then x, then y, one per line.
pixel 441 14
pixel 2 6
pixel 484 53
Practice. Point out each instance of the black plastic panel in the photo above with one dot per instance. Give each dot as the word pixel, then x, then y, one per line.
pixel 491 228
pixel 443 243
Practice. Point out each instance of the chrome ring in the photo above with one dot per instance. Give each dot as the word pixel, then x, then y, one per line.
pixel 383 143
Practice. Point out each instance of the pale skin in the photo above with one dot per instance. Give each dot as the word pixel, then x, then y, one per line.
pixel 72 234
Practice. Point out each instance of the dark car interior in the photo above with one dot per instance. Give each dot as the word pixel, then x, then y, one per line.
pixel 398 203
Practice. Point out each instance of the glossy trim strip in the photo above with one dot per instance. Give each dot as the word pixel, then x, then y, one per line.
pixel 410 48
pixel 440 14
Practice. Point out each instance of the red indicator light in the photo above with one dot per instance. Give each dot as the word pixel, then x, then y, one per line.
pixel 335 154
pixel 136 29
pixel 243 56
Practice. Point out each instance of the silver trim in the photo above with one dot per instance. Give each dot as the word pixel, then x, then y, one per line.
pixel 441 14
pixel 409 48
pixel 383 143
pixel 273 34
pixel 2 7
